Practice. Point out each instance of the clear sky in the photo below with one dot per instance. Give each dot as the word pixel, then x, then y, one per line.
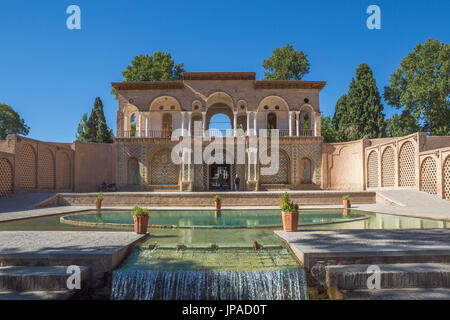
pixel 51 75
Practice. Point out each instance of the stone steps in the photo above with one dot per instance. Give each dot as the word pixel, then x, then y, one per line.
pixel 350 281
pixel 399 294
pixel 38 278
pixel 405 275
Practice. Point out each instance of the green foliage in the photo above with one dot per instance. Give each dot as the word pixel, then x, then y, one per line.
pixel 346 197
pixel 11 123
pixel 217 198
pixel 99 197
pixel 286 205
pixel 95 128
pixel 138 211
pixel 286 64
pixel 157 67
pixel 401 125
pixel 358 113
pixel 421 87
pixel 329 132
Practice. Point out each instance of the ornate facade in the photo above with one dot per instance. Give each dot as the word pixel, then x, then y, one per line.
pixel 150 111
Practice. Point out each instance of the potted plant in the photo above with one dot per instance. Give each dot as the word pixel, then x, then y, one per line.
pixel 140 217
pixel 217 202
pixel 289 213
pixel 346 201
pixel 98 201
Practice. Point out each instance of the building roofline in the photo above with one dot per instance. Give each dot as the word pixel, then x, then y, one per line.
pixel 145 85
pixel 219 75
pixel 289 84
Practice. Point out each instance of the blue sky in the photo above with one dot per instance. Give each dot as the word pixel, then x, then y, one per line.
pixel 51 75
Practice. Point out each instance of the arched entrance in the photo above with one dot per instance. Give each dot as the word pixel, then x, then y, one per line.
pixel 220 177
pixel 306 169
pixel 133 171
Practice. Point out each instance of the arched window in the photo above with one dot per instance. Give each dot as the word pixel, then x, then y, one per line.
pixel 133 125
pixel 133 171
pixel 271 121
pixel 220 125
pixel 167 125
pixel 306 169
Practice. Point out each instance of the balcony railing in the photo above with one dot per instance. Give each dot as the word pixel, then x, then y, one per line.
pixel 167 134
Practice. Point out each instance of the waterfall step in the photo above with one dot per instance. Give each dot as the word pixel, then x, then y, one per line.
pixel 38 278
pixel 392 276
pixel 37 295
pixel 399 294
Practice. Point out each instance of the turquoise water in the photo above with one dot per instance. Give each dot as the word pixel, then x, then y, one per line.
pixel 218 219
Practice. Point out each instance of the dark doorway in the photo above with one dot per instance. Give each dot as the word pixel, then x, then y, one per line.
pixel 220 177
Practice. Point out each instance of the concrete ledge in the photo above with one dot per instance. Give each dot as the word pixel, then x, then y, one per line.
pixel 204 199
pixel 343 247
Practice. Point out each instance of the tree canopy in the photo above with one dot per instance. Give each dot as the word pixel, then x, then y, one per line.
pixel 421 87
pixel 329 133
pixel 95 128
pixel 157 67
pixel 286 64
pixel 359 113
pixel 11 123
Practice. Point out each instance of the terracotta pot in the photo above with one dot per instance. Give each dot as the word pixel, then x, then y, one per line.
pixel 290 221
pixel 218 205
pixel 98 204
pixel 347 203
pixel 140 224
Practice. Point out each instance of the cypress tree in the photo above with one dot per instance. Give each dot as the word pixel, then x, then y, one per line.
pixel 95 128
pixel 359 112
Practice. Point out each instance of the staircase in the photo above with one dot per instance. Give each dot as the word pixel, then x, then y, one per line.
pixel 39 283
pixel 397 281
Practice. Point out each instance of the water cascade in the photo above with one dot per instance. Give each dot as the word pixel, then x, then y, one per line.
pixel 287 284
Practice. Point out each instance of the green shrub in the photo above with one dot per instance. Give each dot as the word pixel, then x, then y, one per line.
pixel 286 205
pixel 138 211
pixel 217 198
pixel 99 197
pixel 347 197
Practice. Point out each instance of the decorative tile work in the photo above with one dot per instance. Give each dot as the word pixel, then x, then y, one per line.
pixel 428 176
pixel 6 177
pixel 314 153
pixel 27 167
pixel 163 171
pixel 388 168
pixel 446 178
pixel 282 177
pixel 372 170
pixel 407 164
pixel 46 169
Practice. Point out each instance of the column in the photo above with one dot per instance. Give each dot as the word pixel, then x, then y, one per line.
pixel 204 122
pixel 182 123
pixel 254 124
pixel 290 123
pixel 255 164
pixel 190 122
pixel 248 123
pixel 125 124
pixel 297 122
pixel 235 123
pixel 140 125
pixel 146 124
pixel 248 167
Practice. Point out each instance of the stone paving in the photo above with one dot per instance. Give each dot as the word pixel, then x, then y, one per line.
pixel 369 246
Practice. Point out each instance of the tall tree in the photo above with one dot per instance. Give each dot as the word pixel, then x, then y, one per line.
pixel 329 132
pixel 157 67
pixel 421 86
pixel 359 114
pixel 401 125
pixel 95 129
pixel 11 123
pixel 286 64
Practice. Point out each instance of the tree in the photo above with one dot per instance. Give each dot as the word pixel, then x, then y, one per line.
pixel 157 67
pixel 401 125
pixel 286 64
pixel 421 86
pixel 11 123
pixel 359 113
pixel 95 129
pixel 83 129
pixel 329 132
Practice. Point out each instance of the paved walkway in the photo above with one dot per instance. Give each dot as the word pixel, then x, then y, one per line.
pixel 22 201
pixel 411 203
